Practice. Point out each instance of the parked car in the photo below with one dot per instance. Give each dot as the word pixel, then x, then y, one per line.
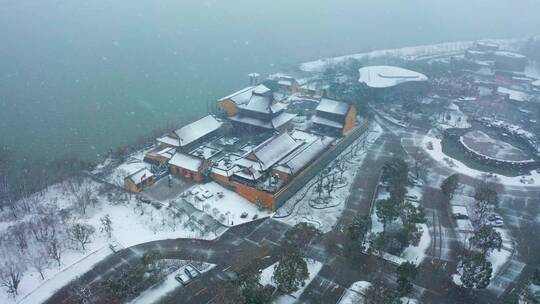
pixel 411 197
pixel 459 216
pixel 191 271
pixel 182 278
pixel 143 200
pixel 496 223
pixel 494 217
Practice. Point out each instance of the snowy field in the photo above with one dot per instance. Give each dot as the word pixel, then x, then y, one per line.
pixel 298 209
pixel 266 279
pixel 484 144
pixel 432 146
pixel 224 205
pixel 132 223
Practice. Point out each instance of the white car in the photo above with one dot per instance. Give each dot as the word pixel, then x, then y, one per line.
pixel 412 198
pixel 496 223
pixel 191 271
pixel 182 278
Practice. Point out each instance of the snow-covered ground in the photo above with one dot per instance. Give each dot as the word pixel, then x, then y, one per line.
pixel 442 49
pixel 436 153
pixel 266 279
pixel 169 284
pixel 416 254
pixel 298 209
pixel 355 293
pixel 132 223
pixel 224 205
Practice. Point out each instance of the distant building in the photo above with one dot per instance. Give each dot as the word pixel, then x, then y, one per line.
pixel 287 85
pixel 486 46
pixel 311 89
pixel 139 180
pixel 255 109
pixel 513 95
pixel 509 61
pixel 335 118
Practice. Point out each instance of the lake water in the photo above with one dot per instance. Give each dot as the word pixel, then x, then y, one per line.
pixel 85 76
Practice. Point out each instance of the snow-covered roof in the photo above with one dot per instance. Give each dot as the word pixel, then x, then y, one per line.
pixel 226 166
pixel 204 152
pixel 169 141
pixel 513 94
pixel 326 122
pixel 286 80
pixel 383 76
pixel 278 107
pixel 509 54
pixel 165 152
pixel 196 130
pixel 251 121
pixel 275 149
pixel 282 119
pixel 275 123
pixel 333 106
pixel 250 173
pixel 141 175
pixel 536 83
pixel 186 161
pixel 487 44
pixel 240 97
pixel 259 103
pixel 312 147
pixel 261 90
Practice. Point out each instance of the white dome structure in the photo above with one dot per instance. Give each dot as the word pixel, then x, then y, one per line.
pixel 384 76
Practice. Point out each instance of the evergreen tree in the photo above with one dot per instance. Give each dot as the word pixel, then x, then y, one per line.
pixel 486 239
pixel 475 271
pixel 406 273
pixel 450 185
pixel 387 211
pixel 301 235
pixel 359 227
pixel 290 273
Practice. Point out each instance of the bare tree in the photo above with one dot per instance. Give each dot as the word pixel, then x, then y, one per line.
pixel 84 198
pixel 11 272
pixel 19 235
pixel 55 250
pixel 81 234
pixel 6 193
pixel 419 162
pixel 106 225
pixel 44 227
pixel 38 259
